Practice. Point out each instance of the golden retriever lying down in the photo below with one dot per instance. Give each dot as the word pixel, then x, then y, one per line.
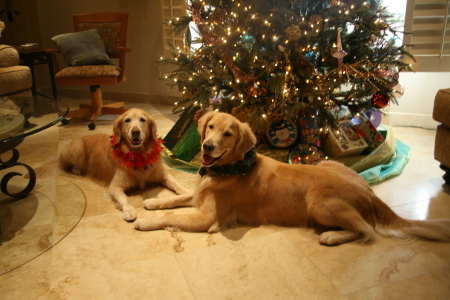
pixel 236 185
pixel 129 159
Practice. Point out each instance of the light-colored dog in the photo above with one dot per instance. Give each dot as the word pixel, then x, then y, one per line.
pixel 239 186
pixel 129 159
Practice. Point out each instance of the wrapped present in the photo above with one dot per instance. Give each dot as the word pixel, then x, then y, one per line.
pixel 341 112
pixel 370 135
pixel 308 126
pixel 344 142
pixel 183 139
pixel 306 154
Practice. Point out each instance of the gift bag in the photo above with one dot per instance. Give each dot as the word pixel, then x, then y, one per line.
pixel 183 139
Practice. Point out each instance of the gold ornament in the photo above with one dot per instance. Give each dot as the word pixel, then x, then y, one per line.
pixel 293 32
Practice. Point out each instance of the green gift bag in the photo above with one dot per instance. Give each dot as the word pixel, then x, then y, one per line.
pixel 183 139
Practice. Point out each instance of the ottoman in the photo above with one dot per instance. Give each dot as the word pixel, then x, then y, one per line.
pixel 441 113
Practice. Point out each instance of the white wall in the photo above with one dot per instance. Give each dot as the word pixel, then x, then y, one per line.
pixel 420 89
pixel 145 38
pixel 415 107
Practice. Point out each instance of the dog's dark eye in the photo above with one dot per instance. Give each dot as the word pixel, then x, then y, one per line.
pixel 227 134
pixel 127 120
pixel 211 126
pixel 142 120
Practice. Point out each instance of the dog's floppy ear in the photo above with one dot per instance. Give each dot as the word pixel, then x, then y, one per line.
pixel 202 124
pixel 117 128
pixel 245 142
pixel 152 129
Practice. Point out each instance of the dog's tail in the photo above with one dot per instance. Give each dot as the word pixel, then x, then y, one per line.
pixel 389 224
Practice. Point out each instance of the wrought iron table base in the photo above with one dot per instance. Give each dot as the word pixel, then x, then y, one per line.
pixel 12 162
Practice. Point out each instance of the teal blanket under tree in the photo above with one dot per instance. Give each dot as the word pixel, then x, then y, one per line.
pixel 373 175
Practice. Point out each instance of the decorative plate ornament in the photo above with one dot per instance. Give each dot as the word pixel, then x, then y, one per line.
pixel 306 154
pixel 282 134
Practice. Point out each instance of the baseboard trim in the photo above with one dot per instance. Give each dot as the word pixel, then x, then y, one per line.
pixel 409 119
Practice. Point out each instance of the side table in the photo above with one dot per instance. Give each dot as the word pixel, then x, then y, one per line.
pixel 35 57
pixel 21 117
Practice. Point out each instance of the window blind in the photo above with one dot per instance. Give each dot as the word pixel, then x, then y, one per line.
pixel 429 22
pixel 172 9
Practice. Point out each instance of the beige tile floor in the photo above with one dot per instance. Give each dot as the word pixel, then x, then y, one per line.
pixel 103 257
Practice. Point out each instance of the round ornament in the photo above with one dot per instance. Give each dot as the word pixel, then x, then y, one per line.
pixel 387 74
pixel 247 41
pixel 282 134
pixel 375 117
pixel 310 57
pixel 307 154
pixel 293 32
pixel 380 100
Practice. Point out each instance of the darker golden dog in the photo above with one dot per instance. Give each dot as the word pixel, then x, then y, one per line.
pixel 236 185
pixel 128 159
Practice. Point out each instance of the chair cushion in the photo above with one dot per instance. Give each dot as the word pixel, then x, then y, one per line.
pixel 82 48
pixel 89 71
pixel 14 79
pixel 8 56
pixel 441 109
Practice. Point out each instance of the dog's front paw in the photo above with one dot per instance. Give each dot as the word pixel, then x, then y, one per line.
pixel 146 224
pixel 214 228
pixel 129 213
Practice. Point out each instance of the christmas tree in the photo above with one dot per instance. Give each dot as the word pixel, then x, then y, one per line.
pixel 266 60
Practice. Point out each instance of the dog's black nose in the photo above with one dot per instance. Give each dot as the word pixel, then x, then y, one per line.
pixel 135 132
pixel 208 146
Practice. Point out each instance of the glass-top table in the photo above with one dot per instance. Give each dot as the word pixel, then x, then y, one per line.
pixel 21 117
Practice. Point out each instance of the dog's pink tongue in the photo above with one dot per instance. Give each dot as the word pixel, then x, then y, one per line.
pixel 206 159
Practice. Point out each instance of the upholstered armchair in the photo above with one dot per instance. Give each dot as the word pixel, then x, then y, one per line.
pixel 441 113
pixel 14 79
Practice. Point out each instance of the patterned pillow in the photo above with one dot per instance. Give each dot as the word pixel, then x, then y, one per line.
pixel 82 48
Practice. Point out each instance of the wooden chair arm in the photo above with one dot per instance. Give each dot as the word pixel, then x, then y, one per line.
pixel 123 49
pixel 51 50
pixel 122 52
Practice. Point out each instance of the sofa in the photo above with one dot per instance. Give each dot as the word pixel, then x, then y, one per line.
pixel 15 80
pixel 441 114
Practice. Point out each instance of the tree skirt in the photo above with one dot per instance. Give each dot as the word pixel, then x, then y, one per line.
pixel 393 168
pixel 372 175
pixel 386 161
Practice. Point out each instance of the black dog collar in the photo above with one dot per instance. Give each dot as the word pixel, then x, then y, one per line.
pixel 239 168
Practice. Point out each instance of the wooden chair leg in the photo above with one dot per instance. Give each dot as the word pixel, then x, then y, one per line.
pixel 96 108
pixel 116 104
pixel 97 100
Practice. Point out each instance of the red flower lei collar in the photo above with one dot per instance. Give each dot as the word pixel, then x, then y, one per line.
pixel 136 160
